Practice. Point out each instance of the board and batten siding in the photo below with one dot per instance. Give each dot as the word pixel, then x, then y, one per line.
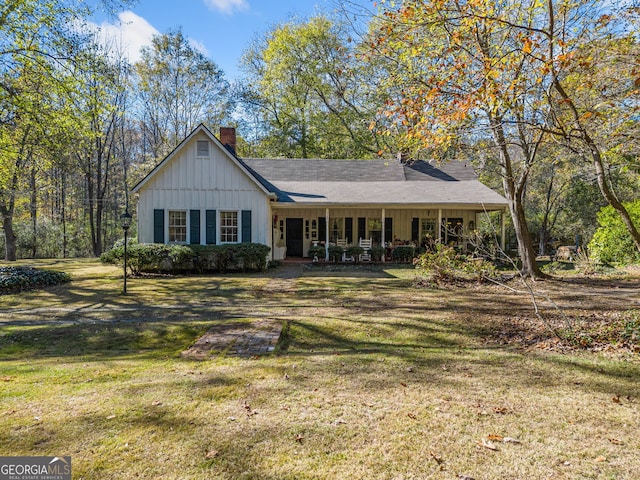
pixel 188 182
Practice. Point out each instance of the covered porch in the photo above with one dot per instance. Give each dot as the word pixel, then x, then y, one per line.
pixel 297 228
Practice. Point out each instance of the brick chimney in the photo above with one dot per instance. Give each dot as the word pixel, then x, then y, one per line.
pixel 228 138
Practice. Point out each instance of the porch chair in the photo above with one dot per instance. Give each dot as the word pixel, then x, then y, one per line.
pixel 343 242
pixel 365 243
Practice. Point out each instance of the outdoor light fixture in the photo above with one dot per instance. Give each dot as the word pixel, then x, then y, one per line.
pixel 125 221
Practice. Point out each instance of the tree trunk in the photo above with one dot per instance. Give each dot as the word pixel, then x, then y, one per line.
pixel 10 252
pixel 33 210
pixel 514 196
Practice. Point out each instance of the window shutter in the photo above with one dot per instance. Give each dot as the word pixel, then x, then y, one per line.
pixel 194 226
pixel 362 228
pixel 322 229
pixel 388 229
pixel 415 229
pixel 348 230
pixel 158 226
pixel 246 226
pixel 210 227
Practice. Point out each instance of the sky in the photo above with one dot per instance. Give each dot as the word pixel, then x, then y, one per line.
pixel 221 29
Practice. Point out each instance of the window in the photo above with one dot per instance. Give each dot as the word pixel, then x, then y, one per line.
pixel 428 229
pixel 336 229
pixel 229 227
pixel 375 230
pixel 202 148
pixel 178 226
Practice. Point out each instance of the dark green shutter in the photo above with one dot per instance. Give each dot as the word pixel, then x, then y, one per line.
pixel 348 229
pixel 415 229
pixel 322 229
pixel 388 229
pixel 158 226
pixel 246 226
pixel 210 227
pixel 362 228
pixel 194 226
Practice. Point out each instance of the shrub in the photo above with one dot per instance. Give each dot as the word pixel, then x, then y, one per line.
pixel 317 251
pixel 446 265
pixel 335 253
pixel 377 253
pixel 612 242
pixel 156 257
pixel 403 253
pixel 355 251
pixel 23 278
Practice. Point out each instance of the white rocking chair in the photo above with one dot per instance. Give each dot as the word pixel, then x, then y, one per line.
pixel 365 243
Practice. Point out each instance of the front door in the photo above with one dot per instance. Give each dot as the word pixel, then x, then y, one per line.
pixel 294 237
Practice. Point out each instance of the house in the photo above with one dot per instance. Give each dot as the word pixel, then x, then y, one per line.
pixel 202 193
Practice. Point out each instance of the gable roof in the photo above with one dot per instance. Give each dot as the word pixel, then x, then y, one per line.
pixel 174 153
pixel 374 182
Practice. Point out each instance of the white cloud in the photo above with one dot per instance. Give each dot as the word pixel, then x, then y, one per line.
pixel 227 6
pixel 130 34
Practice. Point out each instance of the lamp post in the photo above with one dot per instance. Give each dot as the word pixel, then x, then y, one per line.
pixel 125 220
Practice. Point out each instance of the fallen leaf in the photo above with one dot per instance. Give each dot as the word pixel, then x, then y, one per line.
pixel 211 454
pixel 412 415
pixel 495 438
pixel 615 441
pixel 510 440
pixel 487 444
pixel 403 384
pixel 616 399
pixel 501 410
pixel 7 379
pixel 601 459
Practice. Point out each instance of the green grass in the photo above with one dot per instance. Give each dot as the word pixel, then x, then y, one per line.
pixel 375 379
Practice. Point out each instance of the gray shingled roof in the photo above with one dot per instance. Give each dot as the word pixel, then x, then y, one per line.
pixel 389 182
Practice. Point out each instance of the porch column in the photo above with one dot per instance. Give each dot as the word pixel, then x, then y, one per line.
pixel 326 241
pixel 382 241
pixel 439 226
pixel 503 229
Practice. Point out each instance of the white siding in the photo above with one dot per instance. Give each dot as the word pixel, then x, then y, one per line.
pixel 190 183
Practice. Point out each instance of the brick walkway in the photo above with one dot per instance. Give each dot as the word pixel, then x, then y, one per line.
pixel 246 339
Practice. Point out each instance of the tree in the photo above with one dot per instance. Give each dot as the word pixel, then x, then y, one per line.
pixel 178 87
pixel 38 43
pixel 592 57
pixel 461 78
pixel 311 93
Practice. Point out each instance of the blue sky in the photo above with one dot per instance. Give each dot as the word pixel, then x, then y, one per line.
pixel 222 29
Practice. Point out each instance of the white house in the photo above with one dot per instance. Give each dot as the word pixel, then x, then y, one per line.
pixel 202 193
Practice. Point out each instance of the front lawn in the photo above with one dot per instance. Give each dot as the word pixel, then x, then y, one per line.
pixel 376 379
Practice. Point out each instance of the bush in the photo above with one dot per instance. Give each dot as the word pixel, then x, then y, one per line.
pixel 612 242
pixel 14 279
pixel 446 265
pixel 377 253
pixel 317 251
pixel 355 251
pixel 335 253
pixel 403 253
pixel 156 257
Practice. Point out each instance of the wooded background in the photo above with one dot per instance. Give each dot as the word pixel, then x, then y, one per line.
pixel 542 98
